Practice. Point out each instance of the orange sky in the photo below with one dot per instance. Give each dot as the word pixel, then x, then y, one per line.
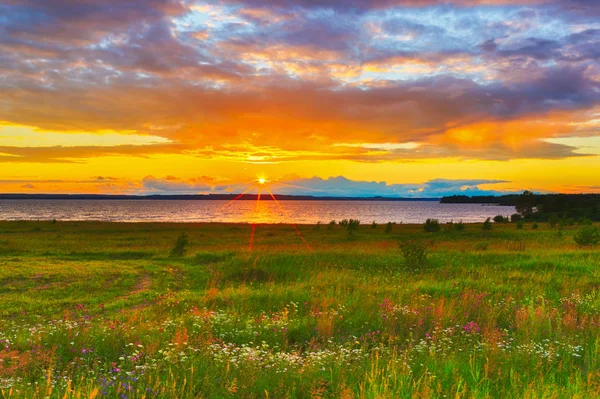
pixel 171 96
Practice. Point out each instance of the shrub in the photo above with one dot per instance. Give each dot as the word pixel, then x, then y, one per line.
pixel 353 224
pixel 487 225
pixel 460 226
pixel 587 236
pixel 180 247
pixel 553 220
pixel 331 224
pixel 520 225
pixel 344 222
pixel 481 246
pixel 318 225
pixel 500 219
pixel 373 225
pixel 388 227
pixel 535 226
pixel 585 222
pixel 432 225
pixel 516 217
pixel 415 254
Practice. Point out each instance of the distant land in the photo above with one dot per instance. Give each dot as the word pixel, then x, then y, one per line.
pixel 200 197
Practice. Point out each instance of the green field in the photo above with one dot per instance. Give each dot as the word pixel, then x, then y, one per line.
pixel 92 310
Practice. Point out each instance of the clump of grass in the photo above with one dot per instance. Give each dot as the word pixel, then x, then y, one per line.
pixel 388 227
pixel 415 254
pixel 432 226
pixel 482 246
pixel 487 225
pixel 181 246
pixel 518 246
pixel 587 236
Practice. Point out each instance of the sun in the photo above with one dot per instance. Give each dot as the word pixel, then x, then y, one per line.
pixel 262 181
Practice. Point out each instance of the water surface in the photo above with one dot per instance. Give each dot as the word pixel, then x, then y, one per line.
pixel 245 211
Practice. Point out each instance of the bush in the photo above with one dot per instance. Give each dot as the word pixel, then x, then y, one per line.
pixel 500 219
pixel 415 254
pixel 388 227
pixel 318 225
pixel 180 247
pixel 520 225
pixel 432 225
pixel 331 224
pixel 487 225
pixel 353 224
pixel 482 246
pixel 535 226
pixel 344 222
pixel 516 217
pixel 587 236
pixel 373 225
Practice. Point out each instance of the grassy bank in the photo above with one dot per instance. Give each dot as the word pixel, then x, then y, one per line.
pixel 101 310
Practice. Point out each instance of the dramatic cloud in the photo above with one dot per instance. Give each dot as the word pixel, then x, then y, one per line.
pixel 262 81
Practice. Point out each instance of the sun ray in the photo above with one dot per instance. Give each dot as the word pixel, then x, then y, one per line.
pixel 235 199
pixel 292 224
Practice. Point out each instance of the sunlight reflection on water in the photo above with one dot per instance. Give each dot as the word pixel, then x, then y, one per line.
pixel 245 211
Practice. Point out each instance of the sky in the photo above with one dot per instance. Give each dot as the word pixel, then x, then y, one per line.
pixel 318 97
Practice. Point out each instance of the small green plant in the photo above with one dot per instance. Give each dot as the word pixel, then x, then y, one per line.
pixel 585 222
pixel 520 225
pixel 587 236
pixel 432 226
pixel 373 225
pixel 487 225
pixel 353 224
pixel 181 246
pixel 415 254
pixel 482 246
pixel 388 227
pixel 535 226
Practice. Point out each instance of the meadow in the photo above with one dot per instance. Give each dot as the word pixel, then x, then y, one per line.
pixel 104 310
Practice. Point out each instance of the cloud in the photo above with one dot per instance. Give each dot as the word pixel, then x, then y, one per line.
pixel 264 81
pixel 343 187
pixel 334 186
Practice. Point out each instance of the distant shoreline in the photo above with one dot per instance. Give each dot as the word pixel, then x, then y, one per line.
pixel 207 197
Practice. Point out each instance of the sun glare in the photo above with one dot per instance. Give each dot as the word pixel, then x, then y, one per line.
pixel 262 181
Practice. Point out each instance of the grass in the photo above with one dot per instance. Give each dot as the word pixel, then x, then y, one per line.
pixel 95 310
